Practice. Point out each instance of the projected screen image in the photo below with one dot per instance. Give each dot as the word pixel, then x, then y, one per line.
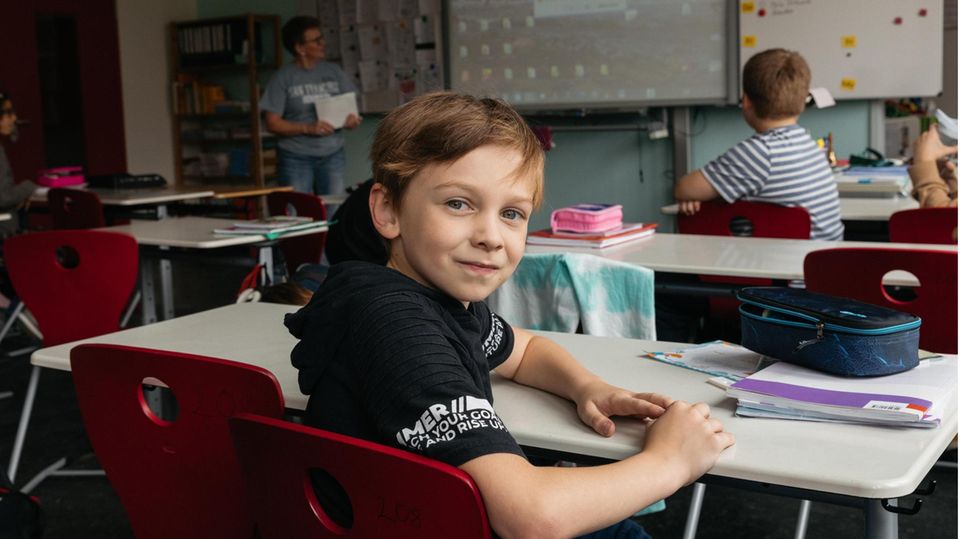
pixel 589 53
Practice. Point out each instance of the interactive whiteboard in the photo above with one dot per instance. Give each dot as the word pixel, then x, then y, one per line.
pixel 856 48
pixel 591 53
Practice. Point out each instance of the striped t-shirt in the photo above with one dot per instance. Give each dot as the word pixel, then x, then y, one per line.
pixel 781 166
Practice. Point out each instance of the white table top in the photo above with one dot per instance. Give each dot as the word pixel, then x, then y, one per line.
pixel 193 232
pixel 855 460
pixel 853 208
pixel 769 258
pixel 140 196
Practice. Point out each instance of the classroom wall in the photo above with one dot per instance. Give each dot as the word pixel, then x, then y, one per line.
pixel 608 166
pixel 145 80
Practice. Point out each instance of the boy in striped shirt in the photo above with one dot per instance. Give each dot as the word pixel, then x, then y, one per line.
pixel 780 163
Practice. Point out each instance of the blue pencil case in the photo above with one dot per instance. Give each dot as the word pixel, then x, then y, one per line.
pixel 828 333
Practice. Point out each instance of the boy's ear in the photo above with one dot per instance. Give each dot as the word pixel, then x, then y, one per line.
pixel 746 101
pixel 383 212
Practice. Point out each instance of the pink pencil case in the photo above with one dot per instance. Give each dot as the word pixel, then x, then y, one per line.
pixel 587 218
pixel 60 176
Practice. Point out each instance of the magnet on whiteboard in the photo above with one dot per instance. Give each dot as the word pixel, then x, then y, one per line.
pixel 848 42
pixel 749 41
pixel 746 7
pixel 848 84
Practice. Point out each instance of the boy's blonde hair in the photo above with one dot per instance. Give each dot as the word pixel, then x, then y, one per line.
pixel 777 81
pixel 442 127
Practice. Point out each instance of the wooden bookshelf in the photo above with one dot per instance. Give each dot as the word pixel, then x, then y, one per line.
pixel 218 67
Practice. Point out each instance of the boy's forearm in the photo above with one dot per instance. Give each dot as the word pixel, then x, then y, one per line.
pixel 548 366
pixel 563 502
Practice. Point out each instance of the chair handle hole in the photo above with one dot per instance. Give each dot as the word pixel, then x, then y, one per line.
pixel 67 257
pixel 158 401
pixel 328 500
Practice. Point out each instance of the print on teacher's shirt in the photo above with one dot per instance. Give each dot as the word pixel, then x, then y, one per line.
pixel 443 423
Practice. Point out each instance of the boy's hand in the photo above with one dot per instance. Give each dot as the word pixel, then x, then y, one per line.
pixel 685 436
pixel 689 207
pixel 599 401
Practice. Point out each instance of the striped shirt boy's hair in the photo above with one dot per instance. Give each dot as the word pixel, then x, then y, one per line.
pixel 777 81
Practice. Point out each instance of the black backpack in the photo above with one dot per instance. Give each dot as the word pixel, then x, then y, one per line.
pixel 21 516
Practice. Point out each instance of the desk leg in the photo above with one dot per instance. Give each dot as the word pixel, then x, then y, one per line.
pixel 881 524
pixel 148 307
pixel 266 258
pixel 24 421
pixel 166 288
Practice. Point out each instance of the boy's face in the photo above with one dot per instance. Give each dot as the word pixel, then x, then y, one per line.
pixel 463 225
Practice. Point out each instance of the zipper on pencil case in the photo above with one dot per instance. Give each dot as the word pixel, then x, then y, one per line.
pixel 816 321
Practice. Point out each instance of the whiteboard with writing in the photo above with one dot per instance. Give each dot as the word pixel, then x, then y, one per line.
pixel 857 49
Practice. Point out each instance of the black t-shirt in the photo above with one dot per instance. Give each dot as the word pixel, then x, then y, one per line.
pixel 387 359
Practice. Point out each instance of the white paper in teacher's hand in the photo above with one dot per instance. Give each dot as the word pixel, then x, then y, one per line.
pixel 334 110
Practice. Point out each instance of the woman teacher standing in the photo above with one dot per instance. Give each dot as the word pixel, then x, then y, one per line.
pixel 310 152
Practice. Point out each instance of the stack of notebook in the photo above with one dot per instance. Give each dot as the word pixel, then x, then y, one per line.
pixel 914 398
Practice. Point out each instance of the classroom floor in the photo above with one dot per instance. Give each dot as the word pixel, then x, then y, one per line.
pixel 89 508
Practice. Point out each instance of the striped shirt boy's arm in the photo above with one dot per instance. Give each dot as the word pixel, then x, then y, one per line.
pixel 741 171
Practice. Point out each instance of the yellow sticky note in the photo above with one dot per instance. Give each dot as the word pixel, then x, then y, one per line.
pixel 746 7
pixel 749 41
pixel 848 42
pixel 848 84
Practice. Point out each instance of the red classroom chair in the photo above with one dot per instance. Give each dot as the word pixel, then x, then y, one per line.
pixel 179 477
pixel 718 218
pixel 924 225
pixel 393 493
pixel 857 273
pixel 302 249
pixel 75 209
pixel 76 283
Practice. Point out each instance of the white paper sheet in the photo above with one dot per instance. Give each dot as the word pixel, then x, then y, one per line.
pixel 334 110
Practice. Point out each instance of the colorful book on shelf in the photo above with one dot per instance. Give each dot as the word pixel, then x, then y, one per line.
pixel 596 240
pixel 270 229
pixel 914 398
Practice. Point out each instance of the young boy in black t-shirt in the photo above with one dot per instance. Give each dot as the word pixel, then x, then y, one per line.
pixel 401 354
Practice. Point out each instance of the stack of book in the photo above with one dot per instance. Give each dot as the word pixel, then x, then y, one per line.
pixel 271 226
pixel 914 398
pixel 596 240
pixel 874 181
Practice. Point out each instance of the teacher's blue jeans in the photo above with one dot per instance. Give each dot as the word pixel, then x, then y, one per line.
pixel 309 174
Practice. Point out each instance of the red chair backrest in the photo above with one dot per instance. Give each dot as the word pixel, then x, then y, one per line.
pixel 768 220
pixel 75 209
pixel 177 478
pixel 302 249
pixel 857 273
pixel 75 282
pixel 393 493
pixel 924 225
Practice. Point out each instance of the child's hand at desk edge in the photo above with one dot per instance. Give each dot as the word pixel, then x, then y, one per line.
pixel 687 439
pixel 597 401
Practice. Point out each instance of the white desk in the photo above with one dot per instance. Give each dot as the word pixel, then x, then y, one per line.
pixel 139 196
pixel 768 258
pixel 854 208
pixel 847 460
pixel 194 233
